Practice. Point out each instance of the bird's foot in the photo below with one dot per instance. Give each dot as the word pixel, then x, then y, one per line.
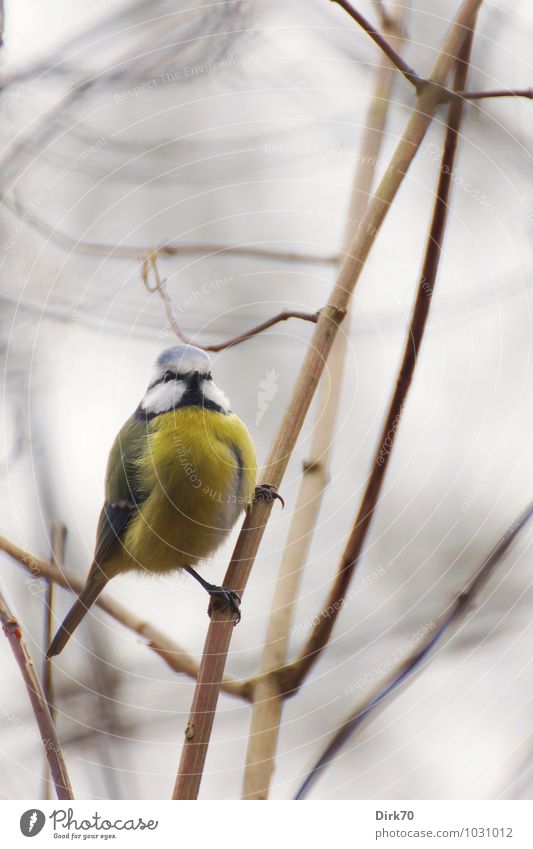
pixel 267 492
pixel 222 599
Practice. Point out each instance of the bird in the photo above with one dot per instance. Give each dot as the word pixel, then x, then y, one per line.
pixel 180 472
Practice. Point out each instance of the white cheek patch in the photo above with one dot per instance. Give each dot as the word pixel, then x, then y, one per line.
pixel 214 394
pixel 163 396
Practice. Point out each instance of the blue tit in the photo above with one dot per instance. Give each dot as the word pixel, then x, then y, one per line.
pixel 180 473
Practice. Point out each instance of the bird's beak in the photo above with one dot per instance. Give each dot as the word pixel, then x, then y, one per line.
pixel 195 378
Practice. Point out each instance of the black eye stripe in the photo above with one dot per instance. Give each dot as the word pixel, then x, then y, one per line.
pixel 172 375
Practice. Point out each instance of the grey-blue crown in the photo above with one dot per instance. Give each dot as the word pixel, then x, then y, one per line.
pixel 181 355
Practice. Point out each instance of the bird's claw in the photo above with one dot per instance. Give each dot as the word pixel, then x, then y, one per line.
pixel 223 599
pixel 267 492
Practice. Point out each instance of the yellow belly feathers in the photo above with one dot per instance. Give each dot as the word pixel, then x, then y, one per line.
pixel 198 482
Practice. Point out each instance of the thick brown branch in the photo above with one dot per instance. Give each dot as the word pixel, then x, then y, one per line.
pixel 45 723
pixel 218 637
pixel 479 95
pixel 171 652
pixel 321 633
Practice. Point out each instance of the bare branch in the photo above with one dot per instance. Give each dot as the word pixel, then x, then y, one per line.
pixel 268 696
pixel 325 622
pixel 63 240
pixel 150 262
pixel 410 74
pixel 58 536
pixel 54 755
pixel 171 652
pixel 392 55
pixel 479 95
pixel 219 633
pixel 449 619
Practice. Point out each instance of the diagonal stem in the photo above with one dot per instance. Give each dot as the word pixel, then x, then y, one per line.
pixel 45 723
pixel 268 697
pixel 322 630
pixel 219 633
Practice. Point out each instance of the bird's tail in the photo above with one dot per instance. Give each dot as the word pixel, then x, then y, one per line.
pixel 96 582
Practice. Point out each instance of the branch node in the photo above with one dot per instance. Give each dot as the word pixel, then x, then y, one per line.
pixel 436 93
pixel 334 313
pixel 310 466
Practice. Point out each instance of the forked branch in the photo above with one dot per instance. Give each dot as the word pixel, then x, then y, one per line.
pixel 176 657
pixel 199 727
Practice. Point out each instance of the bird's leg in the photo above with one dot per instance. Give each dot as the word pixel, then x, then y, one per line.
pixel 267 492
pixel 221 597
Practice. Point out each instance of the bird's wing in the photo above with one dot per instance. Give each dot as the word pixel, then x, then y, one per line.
pixel 123 493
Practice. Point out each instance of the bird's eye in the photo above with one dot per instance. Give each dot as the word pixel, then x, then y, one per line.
pixel 168 375
pixel 209 376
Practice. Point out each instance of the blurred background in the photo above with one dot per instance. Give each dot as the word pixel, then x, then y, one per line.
pixel 133 124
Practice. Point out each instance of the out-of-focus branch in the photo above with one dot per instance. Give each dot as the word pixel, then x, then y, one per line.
pixel 268 697
pixel 171 652
pixel 411 75
pixel 449 619
pixel 325 622
pixel 45 723
pixel 199 727
pixel 68 243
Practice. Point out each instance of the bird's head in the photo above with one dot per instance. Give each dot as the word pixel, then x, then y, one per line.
pixel 182 378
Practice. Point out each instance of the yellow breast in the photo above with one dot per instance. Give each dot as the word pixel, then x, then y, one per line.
pixel 200 473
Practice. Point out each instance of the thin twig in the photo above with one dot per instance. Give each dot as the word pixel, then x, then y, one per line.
pixel 409 73
pixel 177 658
pixel 54 755
pixel 448 619
pixel 58 537
pixel 198 731
pixel 479 95
pixel 325 621
pixel 268 697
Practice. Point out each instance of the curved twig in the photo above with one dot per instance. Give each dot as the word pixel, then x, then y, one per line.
pixel 150 262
